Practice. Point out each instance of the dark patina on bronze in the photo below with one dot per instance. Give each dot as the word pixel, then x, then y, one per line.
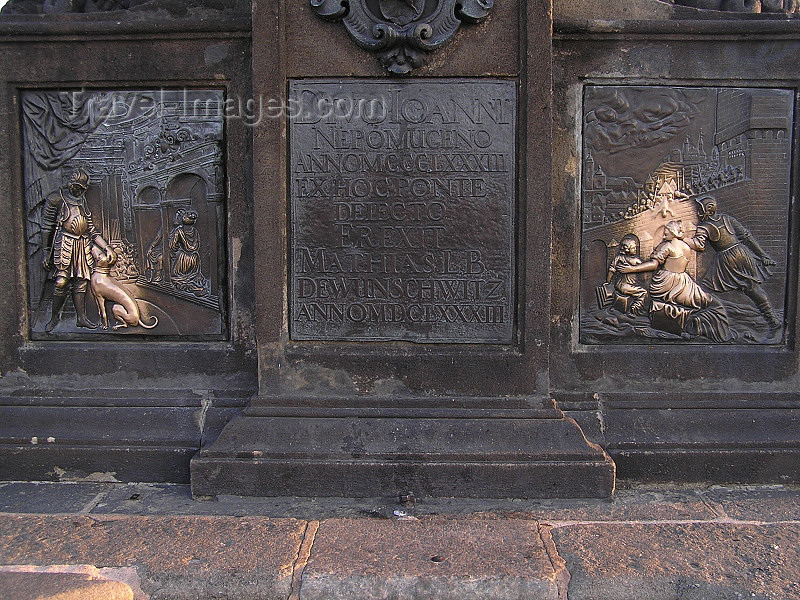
pixel 402 208
pixel 124 212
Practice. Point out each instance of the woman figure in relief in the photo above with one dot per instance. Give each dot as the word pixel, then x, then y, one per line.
pixel 675 289
pixel 184 244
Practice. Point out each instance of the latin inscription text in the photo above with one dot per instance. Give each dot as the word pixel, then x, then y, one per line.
pixel 402 211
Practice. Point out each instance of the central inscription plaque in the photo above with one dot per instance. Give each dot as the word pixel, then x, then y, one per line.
pixel 402 210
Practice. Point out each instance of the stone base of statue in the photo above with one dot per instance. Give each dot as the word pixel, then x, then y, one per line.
pixel 444 448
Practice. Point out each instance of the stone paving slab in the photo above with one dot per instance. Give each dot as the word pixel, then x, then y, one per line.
pixel 758 503
pixel 432 558
pixel 666 542
pixel 630 503
pixel 697 561
pixel 171 499
pixel 60 586
pixel 125 575
pixel 638 504
pixel 177 557
pixel 42 497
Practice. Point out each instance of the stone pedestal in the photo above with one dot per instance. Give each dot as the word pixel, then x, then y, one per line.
pixel 371 247
pixel 413 354
pixel 449 448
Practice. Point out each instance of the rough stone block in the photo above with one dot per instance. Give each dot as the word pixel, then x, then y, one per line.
pixel 178 558
pixel 693 561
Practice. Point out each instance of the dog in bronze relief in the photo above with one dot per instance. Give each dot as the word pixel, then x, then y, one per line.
pixel 105 287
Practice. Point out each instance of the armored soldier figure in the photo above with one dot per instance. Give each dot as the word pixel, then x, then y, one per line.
pixel 69 234
pixel 739 263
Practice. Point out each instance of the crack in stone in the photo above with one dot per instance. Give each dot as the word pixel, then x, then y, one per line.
pixel 206 402
pixel 303 555
pixel 562 575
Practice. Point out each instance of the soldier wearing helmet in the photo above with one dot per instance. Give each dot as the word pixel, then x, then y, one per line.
pixel 740 263
pixel 69 234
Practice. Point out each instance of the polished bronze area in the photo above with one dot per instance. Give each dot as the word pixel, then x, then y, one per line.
pixel 106 173
pixel 402 32
pixel 685 212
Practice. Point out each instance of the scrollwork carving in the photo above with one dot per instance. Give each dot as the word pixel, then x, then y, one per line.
pixel 332 10
pixel 167 146
pixel 402 32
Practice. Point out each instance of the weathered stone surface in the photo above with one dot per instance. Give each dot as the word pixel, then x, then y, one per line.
pixel 434 558
pixel 433 457
pixel 124 575
pixel 158 48
pixel 572 12
pixel 61 586
pixel 699 561
pixel 177 557
pixel 659 434
pixel 650 504
pixel 757 503
pixel 652 543
pixel 38 497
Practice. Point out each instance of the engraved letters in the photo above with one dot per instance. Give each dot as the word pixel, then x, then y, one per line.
pixel 402 211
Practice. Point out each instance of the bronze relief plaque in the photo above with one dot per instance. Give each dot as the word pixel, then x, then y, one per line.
pixel 125 213
pixel 685 212
pixel 402 210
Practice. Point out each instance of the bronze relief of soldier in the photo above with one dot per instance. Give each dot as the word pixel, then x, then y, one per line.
pixel 69 234
pixel 721 277
pixel 739 261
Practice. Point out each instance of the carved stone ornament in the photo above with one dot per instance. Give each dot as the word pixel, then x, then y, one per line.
pixel 402 32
